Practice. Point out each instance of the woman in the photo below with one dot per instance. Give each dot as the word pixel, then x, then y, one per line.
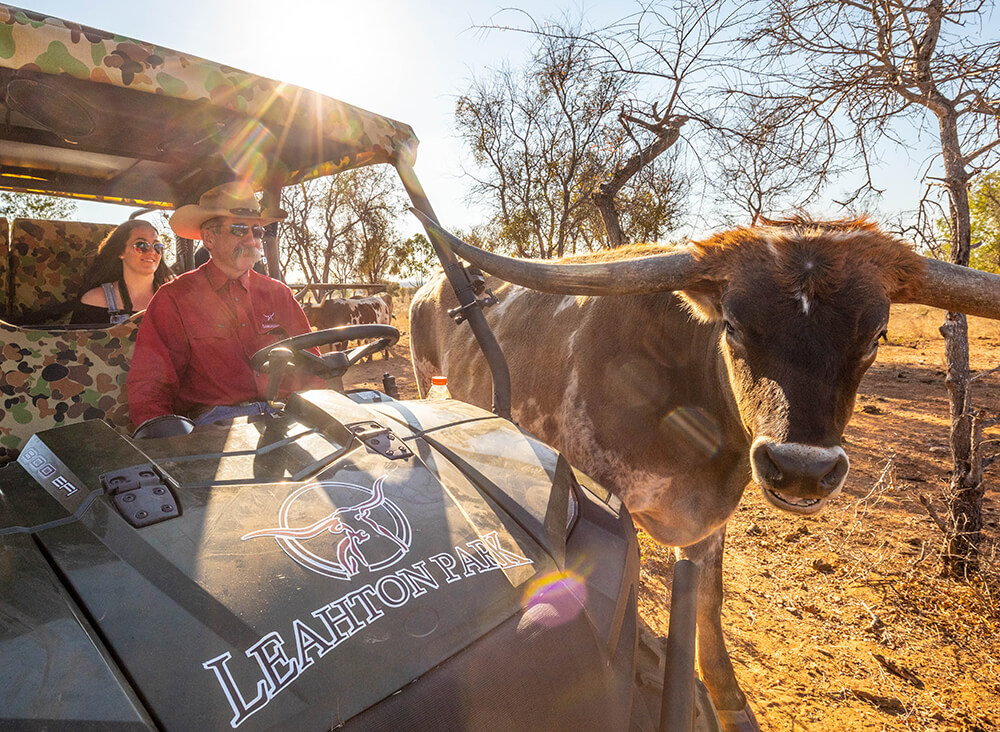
pixel 128 270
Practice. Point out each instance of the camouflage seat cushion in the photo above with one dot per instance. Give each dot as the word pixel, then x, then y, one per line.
pixel 48 260
pixel 51 377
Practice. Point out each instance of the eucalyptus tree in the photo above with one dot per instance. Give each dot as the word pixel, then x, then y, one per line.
pixel 984 221
pixel 345 227
pixel 35 206
pixel 548 141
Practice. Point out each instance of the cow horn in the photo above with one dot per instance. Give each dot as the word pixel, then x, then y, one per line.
pixel 660 273
pixel 958 289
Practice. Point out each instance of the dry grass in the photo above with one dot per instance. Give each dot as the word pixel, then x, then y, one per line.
pixel 909 323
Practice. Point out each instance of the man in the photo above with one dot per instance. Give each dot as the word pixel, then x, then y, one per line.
pixel 193 351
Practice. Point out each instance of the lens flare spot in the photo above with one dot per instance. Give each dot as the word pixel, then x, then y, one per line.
pixel 696 429
pixel 635 383
pixel 244 148
pixel 555 598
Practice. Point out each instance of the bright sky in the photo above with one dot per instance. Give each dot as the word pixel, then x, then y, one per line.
pixel 405 59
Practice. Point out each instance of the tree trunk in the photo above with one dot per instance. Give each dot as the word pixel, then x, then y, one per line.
pixel 604 195
pixel 965 494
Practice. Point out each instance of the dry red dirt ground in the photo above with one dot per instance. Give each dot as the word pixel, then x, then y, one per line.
pixel 842 622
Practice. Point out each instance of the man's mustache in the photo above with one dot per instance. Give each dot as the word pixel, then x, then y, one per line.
pixel 247 250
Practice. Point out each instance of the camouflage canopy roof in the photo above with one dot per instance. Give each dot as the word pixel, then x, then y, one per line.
pixel 90 114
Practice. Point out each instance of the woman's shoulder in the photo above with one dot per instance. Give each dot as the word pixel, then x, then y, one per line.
pixel 95 297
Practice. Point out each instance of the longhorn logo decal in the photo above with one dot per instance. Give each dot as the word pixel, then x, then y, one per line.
pixel 269 323
pixel 371 534
pixel 340 530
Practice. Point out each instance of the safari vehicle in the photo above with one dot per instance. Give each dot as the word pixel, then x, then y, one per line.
pixel 357 561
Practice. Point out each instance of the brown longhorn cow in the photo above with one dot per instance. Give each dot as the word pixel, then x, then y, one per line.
pixel 334 312
pixel 676 377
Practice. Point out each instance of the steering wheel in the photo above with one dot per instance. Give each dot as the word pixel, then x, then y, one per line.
pixel 277 357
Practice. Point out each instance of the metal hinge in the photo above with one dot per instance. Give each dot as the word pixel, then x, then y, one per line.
pixel 380 439
pixel 141 494
pixel 478 284
pixel 459 314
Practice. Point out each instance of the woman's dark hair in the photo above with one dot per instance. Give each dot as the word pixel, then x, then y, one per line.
pixel 107 267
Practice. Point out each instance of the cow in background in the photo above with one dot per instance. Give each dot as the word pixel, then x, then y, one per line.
pixel 676 377
pixel 334 312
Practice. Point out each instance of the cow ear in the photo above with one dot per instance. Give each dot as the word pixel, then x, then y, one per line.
pixel 704 301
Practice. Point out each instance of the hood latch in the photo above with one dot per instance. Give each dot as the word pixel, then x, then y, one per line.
pixel 380 439
pixel 141 494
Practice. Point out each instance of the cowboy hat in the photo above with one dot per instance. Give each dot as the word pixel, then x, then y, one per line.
pixel 229 199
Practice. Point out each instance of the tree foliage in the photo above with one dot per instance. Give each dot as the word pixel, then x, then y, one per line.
pixel 984 212
pixel 344 228
pixel 866 73
pixel 417 259
pixel 544 138
pixel 762 165
pixel 35 206
pixel 671 67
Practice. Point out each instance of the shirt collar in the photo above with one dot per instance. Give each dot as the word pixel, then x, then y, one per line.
pixel 218 279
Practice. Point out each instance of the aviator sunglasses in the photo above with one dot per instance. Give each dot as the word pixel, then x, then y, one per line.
pixel 143 246
pixel 241 230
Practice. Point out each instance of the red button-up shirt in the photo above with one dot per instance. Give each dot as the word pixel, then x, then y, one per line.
pixel 197 337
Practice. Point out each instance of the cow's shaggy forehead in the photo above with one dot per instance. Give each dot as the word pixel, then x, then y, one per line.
pixel 812 259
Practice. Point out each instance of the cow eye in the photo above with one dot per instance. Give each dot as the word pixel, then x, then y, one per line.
pixel 874 346
pixel 731 331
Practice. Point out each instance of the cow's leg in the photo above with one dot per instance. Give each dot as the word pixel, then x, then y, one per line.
pixel 713 658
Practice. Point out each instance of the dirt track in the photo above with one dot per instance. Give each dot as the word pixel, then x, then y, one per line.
pixel 840 622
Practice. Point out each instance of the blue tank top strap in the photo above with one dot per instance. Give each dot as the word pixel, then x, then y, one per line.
pixel 115 312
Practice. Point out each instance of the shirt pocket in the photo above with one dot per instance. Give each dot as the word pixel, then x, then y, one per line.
pixel 208 330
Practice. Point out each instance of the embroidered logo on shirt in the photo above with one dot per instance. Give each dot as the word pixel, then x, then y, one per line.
pixel 269 322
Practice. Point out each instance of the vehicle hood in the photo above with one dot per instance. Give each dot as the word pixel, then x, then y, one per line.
pixel 306 575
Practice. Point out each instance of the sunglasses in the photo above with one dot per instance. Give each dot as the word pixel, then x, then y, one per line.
pixel 143 246
pixel 241 230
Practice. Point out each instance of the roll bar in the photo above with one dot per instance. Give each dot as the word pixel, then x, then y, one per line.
pixel 461 282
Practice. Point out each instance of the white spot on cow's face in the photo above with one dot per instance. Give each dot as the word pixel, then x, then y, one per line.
pixel 806 302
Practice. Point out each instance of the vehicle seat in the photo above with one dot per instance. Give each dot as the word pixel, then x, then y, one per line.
pixel 55 376
pixel 47 262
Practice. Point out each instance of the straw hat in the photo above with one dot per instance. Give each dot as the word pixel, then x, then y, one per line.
pixel 230 199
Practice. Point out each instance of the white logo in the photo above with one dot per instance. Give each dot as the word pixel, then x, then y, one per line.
pixel 269 323
pixel 372 534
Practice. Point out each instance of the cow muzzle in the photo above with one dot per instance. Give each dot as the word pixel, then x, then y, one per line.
pixel 798 478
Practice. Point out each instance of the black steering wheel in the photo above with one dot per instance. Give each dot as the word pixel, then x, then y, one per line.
pixel 277 357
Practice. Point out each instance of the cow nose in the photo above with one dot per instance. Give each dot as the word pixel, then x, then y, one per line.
pixel 805 471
